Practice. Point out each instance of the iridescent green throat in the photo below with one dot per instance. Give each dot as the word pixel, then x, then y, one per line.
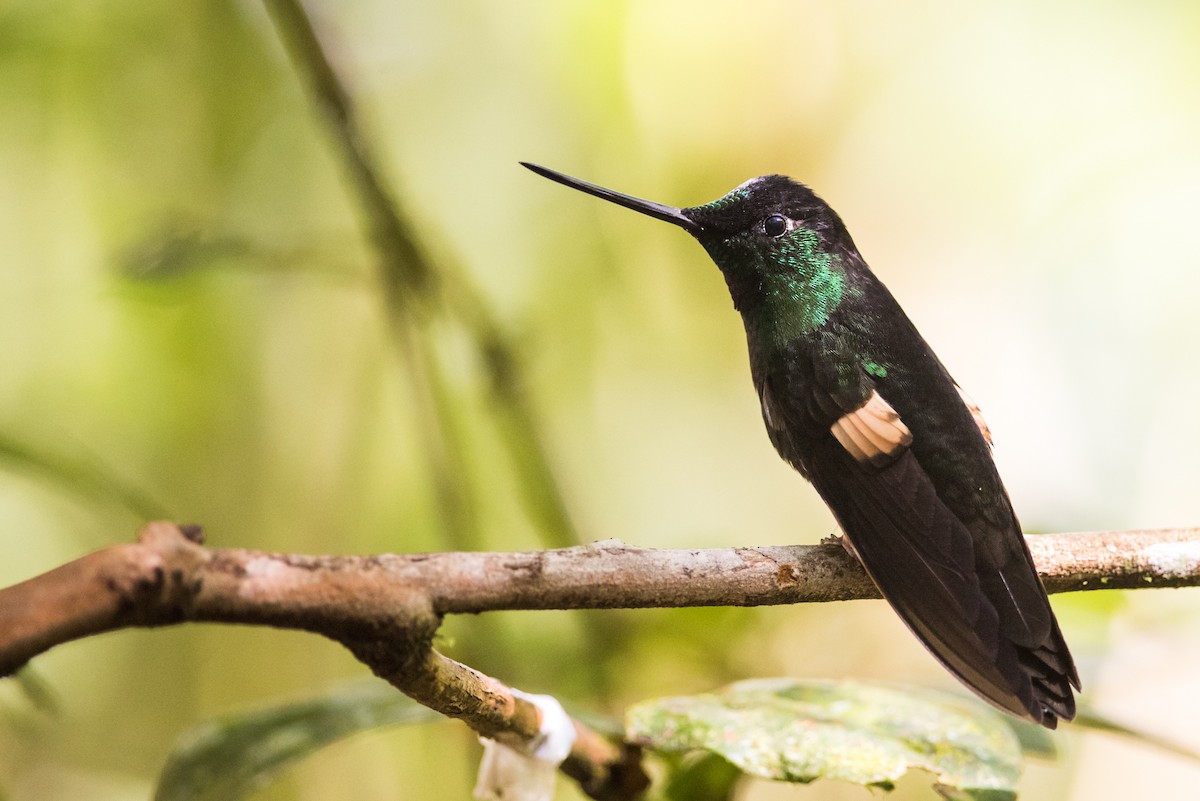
pixel 802 284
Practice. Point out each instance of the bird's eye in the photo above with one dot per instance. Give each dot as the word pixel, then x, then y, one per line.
pixel 775 225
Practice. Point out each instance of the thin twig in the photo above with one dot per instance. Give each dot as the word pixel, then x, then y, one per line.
pixel 406 274
pixel 412 281
pixel 406 271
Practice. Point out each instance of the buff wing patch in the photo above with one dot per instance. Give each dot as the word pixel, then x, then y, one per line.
pixel 873 432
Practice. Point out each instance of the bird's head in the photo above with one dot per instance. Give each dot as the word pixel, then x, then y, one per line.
pixel 773 238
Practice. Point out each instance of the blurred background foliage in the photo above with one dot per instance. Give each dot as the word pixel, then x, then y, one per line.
pixel 193 325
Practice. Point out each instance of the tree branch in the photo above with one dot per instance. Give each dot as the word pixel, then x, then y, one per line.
pixel 169 577
pixel 387 608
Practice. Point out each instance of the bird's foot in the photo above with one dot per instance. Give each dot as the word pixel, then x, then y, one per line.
pixel 844 541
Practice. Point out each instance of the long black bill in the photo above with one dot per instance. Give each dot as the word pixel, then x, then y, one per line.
pixel 656 210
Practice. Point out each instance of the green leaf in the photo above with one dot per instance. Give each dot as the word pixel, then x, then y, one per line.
pixel 800 731
pixel 83 474
pixel 230 758
pixel 700 777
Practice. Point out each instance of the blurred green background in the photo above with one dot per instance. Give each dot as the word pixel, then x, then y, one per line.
pixel 193 324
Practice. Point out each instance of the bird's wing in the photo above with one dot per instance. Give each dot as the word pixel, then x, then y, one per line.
pixel 980 610
pixel 922 559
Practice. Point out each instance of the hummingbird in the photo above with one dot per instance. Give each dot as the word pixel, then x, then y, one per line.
pixel 856 401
